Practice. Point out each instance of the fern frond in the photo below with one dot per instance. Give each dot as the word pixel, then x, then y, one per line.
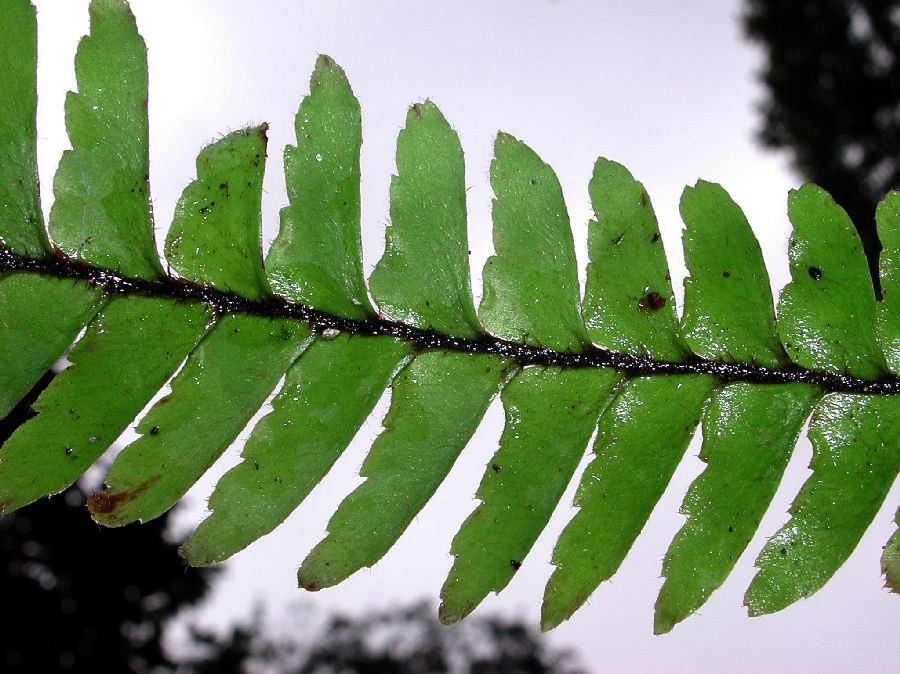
pixel 617 360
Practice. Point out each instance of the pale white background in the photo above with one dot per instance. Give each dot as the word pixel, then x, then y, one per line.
pixel 667 89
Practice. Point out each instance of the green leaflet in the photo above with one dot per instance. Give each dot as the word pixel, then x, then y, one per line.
pixel 102 214
pixel 645 430
pixel 20 209
pixel 748 434
pixel 550 416
pixel 728 309
pixel 628 301
pixel 131 348
pixel 317 257
pixel 856 456
pixel 437 402
pixel 39 318
pixel 826 314
pixel 423 277
pixel 327 395
pixel 531 283
pixel 224 381
pixel 215 238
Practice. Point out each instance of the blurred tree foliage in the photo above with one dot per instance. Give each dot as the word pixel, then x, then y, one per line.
pixel 408 640
pixel 833 99
pixel 84 599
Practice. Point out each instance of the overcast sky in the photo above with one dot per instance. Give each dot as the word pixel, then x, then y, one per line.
pixel 668 89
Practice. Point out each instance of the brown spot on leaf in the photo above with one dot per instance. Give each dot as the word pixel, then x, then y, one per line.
pixel 107 501
pixel 815 273
pixel 515 564
pixel 644 199
pixel 652 301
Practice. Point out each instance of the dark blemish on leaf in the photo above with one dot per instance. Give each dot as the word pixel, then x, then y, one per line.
pixel 154 430
pixel 106 501
pixel 204 209
pixel 515 563
pixel 730 530
pixel 496 468
pixel 652 302
pixel 617 240
pixel 815 273
pixel 68 451
pixel 255 465
pixel 417 111
pixel 668 276
pixel 655 238
pixel 644 200
pixel 726 274
pixel 533 181
pixel 783 551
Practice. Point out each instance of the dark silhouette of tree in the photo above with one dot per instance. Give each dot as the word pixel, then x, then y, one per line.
pixel 834 97
pixel 78 598
pixel 404 641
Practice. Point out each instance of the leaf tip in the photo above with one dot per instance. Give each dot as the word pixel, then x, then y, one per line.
pixel 106 508
pixel 448 615
pixel 425 110
pixel 327 73
pixel 664 620
pixel 194 554
pixel 306 581
pixel 550 619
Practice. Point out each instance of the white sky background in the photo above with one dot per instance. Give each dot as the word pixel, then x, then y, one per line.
pixel 668 89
